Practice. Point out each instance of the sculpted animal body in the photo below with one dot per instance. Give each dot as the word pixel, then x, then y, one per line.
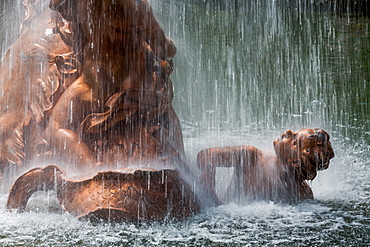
pixel 261 176
pixel 87 86
pixel 106 105
pixel 124 77
pixel 121 195
pixel 92 76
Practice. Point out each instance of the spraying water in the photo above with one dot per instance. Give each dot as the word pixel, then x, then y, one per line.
pixel 245 72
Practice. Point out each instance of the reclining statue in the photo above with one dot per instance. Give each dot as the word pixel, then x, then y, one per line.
pixel 257 175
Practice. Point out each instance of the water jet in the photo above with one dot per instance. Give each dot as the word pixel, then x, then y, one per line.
pixel 263 68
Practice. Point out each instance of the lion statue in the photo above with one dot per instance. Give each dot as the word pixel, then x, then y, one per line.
pixel 257 175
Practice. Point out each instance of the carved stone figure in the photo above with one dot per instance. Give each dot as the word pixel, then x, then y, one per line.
pixel 124 90
pixel 35 71
pixel 89 83
pixel 257 175
pixel 87 87
pixel 122 195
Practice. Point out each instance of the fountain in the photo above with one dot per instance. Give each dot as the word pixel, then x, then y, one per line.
pixel 263 67
pixel 91 94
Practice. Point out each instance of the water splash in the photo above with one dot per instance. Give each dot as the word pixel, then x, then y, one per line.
pixel 244 74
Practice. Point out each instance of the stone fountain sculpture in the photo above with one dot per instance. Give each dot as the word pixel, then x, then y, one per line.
pixel 86 87
pixel 259 175
pixel 87 91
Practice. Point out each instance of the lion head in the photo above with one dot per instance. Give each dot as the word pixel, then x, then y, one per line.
pixel 307 150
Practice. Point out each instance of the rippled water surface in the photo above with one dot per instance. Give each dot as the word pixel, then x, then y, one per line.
pixel 339 216
pixel 245 72
pixel 317 223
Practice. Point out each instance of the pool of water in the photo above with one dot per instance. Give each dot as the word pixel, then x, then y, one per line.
pixel 260 224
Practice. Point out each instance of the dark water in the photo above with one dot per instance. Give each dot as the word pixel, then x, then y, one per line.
pixel 245 72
